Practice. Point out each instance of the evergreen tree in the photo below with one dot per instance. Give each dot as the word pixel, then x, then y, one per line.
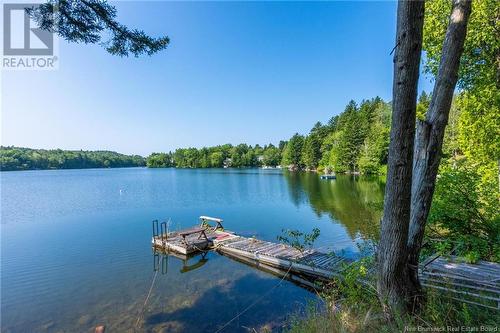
pixel 86 21
pixel 292 154
pixel 348 144
pixel 312 147
pixel 281 145
pixel 424 100
pixel 373 154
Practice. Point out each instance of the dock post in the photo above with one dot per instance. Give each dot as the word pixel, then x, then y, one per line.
pixel 163 232
pixel 156 262
pixel 164 264
pixel 155 228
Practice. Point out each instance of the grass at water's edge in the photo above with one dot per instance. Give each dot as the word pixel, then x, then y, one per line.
pixel 354 307
pixel 440 315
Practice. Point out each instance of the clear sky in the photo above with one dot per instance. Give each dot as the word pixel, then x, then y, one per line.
pixel 234 73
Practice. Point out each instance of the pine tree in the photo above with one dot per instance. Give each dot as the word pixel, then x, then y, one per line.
pixel 292 154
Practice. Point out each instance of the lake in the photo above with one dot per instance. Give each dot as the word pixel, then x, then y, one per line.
pixel 76 245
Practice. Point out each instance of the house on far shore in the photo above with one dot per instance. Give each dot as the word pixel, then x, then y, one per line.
pixel 227 162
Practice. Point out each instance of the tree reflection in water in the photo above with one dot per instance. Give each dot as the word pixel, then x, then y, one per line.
pixel 354 201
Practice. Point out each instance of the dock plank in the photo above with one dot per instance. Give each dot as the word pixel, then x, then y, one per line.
pixel 472 283
pixel 265 247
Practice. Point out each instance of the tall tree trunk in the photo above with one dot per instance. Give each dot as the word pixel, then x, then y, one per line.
pixel 430 132
pixel 393 276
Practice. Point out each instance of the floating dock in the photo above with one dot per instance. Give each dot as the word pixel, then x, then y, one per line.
pixel 309 262
pixel 477 284
pixel 198 238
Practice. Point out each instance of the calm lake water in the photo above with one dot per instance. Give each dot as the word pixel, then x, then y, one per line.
pixel 75 245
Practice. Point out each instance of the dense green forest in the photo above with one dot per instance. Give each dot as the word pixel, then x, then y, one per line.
pixel 14 158
pixel 227 155
pixel 356 140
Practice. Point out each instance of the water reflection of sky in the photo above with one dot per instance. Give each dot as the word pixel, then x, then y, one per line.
pixel 76 245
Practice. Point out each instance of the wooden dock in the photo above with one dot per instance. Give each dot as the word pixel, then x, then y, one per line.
pixel 310 262
pixel 195 239
pixel 477 284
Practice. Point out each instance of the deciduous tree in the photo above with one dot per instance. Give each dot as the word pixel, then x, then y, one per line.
pixel 411 177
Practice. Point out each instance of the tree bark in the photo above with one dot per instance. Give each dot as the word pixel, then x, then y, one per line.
pixel 393 276
pixel 430 133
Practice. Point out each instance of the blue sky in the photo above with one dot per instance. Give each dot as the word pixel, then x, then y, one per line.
pixel 234 72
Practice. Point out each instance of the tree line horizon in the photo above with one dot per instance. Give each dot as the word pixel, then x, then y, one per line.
pixel 443 161
pixel 356 140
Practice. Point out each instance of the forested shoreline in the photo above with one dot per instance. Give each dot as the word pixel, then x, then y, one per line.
pixel 354 141
pixel 438 154
pixel 16 159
